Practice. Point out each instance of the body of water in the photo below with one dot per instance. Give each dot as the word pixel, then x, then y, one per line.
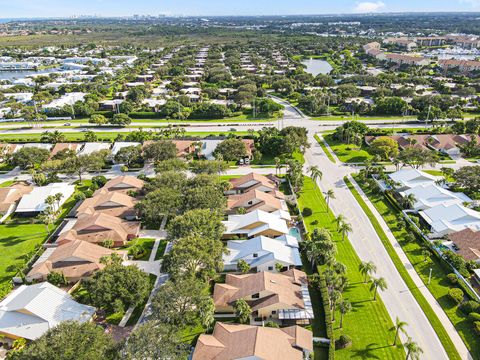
pixel 13 75
pixel 317 66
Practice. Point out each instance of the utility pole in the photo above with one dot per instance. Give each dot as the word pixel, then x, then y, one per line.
pixel 428 114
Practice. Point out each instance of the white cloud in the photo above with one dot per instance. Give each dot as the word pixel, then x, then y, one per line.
pixel 473 3
pixel 368 6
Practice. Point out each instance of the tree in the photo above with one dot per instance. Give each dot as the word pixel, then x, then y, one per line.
pixel 367 268
pixel 231 149
pixel 398 327
pixel 160 151
pixel 178 303
pixel 208 166
pixel 243 266
pixel 385 147
pixel 345 307
pixel 344 229
pixel 84 163
pixel 154 340
pixel 98 119
pixel 198 222
pixel 71 340
pixel 379 283
pixel 408 201
pixel 468 177
pixel 52 137
pixel 158 203
pixel 391 106
pixel 339 220
pixel 315 173
pixel 120 120
pixel 207 197
pixel 417 157
pixel 413 350
pixel 90 136
pixel 242 311
pixel 117 285
pixel 129 155
pixel 194 255
pixel 29 157
pixel 330 194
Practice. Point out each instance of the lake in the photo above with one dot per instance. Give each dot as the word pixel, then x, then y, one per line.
pixel 12 75
pixel 316 66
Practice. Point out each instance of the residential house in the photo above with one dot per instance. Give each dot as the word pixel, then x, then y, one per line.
pixel 91 147
pixel 462 65
pixel 98 227
pixel 263 253
pixel 76 260
pixel 254 181
pixel 9 197
pixel 447 219
pixel 233 341
pixel 257 223
pixel 124 184
pixel 409 178
pixel 58 147
pixel 31 310
pixel 466 244
pixel 35 201
pixel 401 59
pixel 430 195
pixel 256 199
pixel 122 144
pixel 282 296
pixel 112 203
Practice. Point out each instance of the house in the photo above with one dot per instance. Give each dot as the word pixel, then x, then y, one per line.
pixel 462 65
pixel 401 42
pixel 76 260
pixel 34 202
pixel 91 147
pixel 111 105
pixel 446 219
pixel 124 184
pixel 256 199
pixel 233 341
pixel 122 144
pixel 98 227
pixel 257 223
pixel 282 296
pixel 431 195
pixel 64 100
pixel 253 181
pixel 9 196
pixel 401 59
pixel 58 147
pixel 467 244
pixel 184 147
pixel 263 253
pixel 209 145
pixel 111 203
pixel 30 311
pixel 409 178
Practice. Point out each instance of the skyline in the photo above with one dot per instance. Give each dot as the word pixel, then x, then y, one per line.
pixel 24 9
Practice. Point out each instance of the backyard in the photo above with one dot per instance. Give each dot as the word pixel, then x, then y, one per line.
pixel 368 324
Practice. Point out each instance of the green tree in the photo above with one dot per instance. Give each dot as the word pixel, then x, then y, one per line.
pixel 84 163
pixel 242 311
pixel 468 177
pixel 129 155
pixel 315 173
pixel 413 350
pixel 384 147
pixel 160 151
pixel 243 266
pixel 345 229
pixel 398 327
pixel 57 278
pixel 120 120
pixel 330 194
pixel 198 222
pixel 98 119
pixel 345 307
pixel 367 268
pixel 29 157
pixel 208 166
pixel 231 149
pixel 71 340
pixel 378 283
pixel 417 157
pixel 90 136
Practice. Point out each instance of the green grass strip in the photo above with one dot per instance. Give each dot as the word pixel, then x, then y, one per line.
pixel 325 149
pixel 427 309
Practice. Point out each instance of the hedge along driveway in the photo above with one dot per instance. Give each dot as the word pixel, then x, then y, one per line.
pixel 369 322
pixel 414 253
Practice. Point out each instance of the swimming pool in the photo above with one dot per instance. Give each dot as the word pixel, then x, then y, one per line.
pixel 295 232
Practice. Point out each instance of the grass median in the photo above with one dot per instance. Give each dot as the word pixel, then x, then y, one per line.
pixel 414 253
pixel 369 322
pixel 325 149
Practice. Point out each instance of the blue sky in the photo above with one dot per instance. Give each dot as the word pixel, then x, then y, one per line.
pixel 58 8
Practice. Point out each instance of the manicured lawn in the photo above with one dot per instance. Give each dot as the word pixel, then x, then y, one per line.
pixel 363 118
pixel 7 183
pixel 161 249
pixel 368 323
pixel 325 149
pixel 438 173
pixel 348 153
pixel 439 285
pixel 137 312
pixel 145 243
pixel 16 241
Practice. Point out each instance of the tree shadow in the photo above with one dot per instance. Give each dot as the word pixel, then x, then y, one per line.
pixel 367 353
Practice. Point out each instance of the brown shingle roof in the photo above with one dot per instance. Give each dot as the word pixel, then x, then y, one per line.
pixel 64 146
pixel 468 243
pixel 230 341
pixel 10 195
pixel 257 178
pixel 124 183
pixel 265 199
pixel 112 203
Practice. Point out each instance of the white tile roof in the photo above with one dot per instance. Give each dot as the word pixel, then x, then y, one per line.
pixel 35 201
pixel 30 311
pixel 91 147
pixel 241 224
pixel 430 195
pixel 410 178
pixel 445 219
pixel 120 144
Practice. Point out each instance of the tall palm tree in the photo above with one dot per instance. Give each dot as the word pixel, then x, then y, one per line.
pixel 339 220
pixel 398 326
pixel 379 283
pixel 409 200
pixel 413 350
pixel 367 268
pixel 278 165
pixel 330 194
pixel 344 229
pixel 345 307
pixel 315 173
pixel 335 298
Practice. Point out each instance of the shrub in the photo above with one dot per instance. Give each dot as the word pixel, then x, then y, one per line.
pixel 99 180
pixel 343 342
pixel 453 278
pixel 108 243
pixel 476 327
pixel 473 316
pixel 409 238
pixel 88 193
pixel 456 295
pixel 57 278
pixel 80 196
pixel 314 222
pixel 271 324
pixel 470 306
pixel 307 212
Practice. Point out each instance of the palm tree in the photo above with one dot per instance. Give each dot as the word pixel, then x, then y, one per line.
pixel 335 298
pixel 409 200
pixel 399 326
pixel 278 165
pixel 330 194
pixel 413 350
pixel 345 307
pixel 339 220
pixel 315 173
pixel 367 268
pixel 379 283
pixel 344 229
